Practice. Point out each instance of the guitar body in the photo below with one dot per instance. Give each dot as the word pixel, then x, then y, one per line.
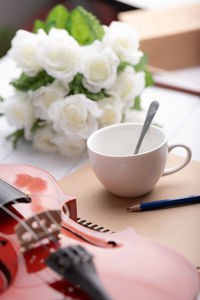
pixel 129 266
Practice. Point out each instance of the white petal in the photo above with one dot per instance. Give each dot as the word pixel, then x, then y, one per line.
pixel 75 114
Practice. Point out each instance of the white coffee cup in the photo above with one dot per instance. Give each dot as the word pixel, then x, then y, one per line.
pixel 123 173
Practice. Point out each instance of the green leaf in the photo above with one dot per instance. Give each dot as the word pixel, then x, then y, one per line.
pixel 157 124
pixel 16 136
pixel 84 26
pixel 25 82
pixel 141 67
pixel 38 124
pixel 1 114
pixel 122 66
pixel 95 96
pixel 80 24
pixel 76 87
pixel 123 118
pixel 142 63
pixel 137 103
pixel 50 25
pixel 38 24
pixel 148 78
pixel 57 17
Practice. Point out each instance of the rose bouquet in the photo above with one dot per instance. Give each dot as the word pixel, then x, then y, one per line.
pixel 77 76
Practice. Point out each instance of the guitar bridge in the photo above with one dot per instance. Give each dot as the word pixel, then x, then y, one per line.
pixel 34 231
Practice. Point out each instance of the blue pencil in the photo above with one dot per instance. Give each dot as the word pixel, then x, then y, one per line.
pixel 165 203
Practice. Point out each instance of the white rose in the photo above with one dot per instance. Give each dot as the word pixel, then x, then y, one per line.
pixel 1 108
pixel 133 115
pixel 111 111
pixel 43 140
pixel 24 51
pixel 46 95
pixel 99 67
pixel 123 40
pixel 19 110
pixel 58 53
pixel 69 146
pixel 128 85
pixel 75 115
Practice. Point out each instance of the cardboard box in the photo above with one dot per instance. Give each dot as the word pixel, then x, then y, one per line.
pixel 171 36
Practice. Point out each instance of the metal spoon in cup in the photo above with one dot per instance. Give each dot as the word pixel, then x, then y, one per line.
pixel 149 117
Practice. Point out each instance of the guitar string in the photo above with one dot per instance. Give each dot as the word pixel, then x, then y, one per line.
pixel 35 236
pixel 28 229
pixel 81 222
pixel 53 239
pixel 36 218
pixel 79 235
pixel 45 229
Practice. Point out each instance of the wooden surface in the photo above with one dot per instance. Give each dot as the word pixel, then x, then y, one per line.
pixel 177 227
pixel 179 114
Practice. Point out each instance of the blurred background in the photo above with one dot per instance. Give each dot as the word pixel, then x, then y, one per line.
pixel 15 14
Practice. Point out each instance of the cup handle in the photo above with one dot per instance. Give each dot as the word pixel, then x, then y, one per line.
pixel 181 165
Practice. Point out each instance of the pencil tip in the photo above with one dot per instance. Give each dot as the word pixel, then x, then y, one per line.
pixel 135 207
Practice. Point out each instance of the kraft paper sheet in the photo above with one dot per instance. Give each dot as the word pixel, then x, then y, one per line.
pixel 177 227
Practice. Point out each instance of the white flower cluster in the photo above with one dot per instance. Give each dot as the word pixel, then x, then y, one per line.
pixel 69 119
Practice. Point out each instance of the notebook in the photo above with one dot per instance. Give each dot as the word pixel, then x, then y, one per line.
pixel 177 227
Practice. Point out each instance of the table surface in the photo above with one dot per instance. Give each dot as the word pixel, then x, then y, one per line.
pixel 179 114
